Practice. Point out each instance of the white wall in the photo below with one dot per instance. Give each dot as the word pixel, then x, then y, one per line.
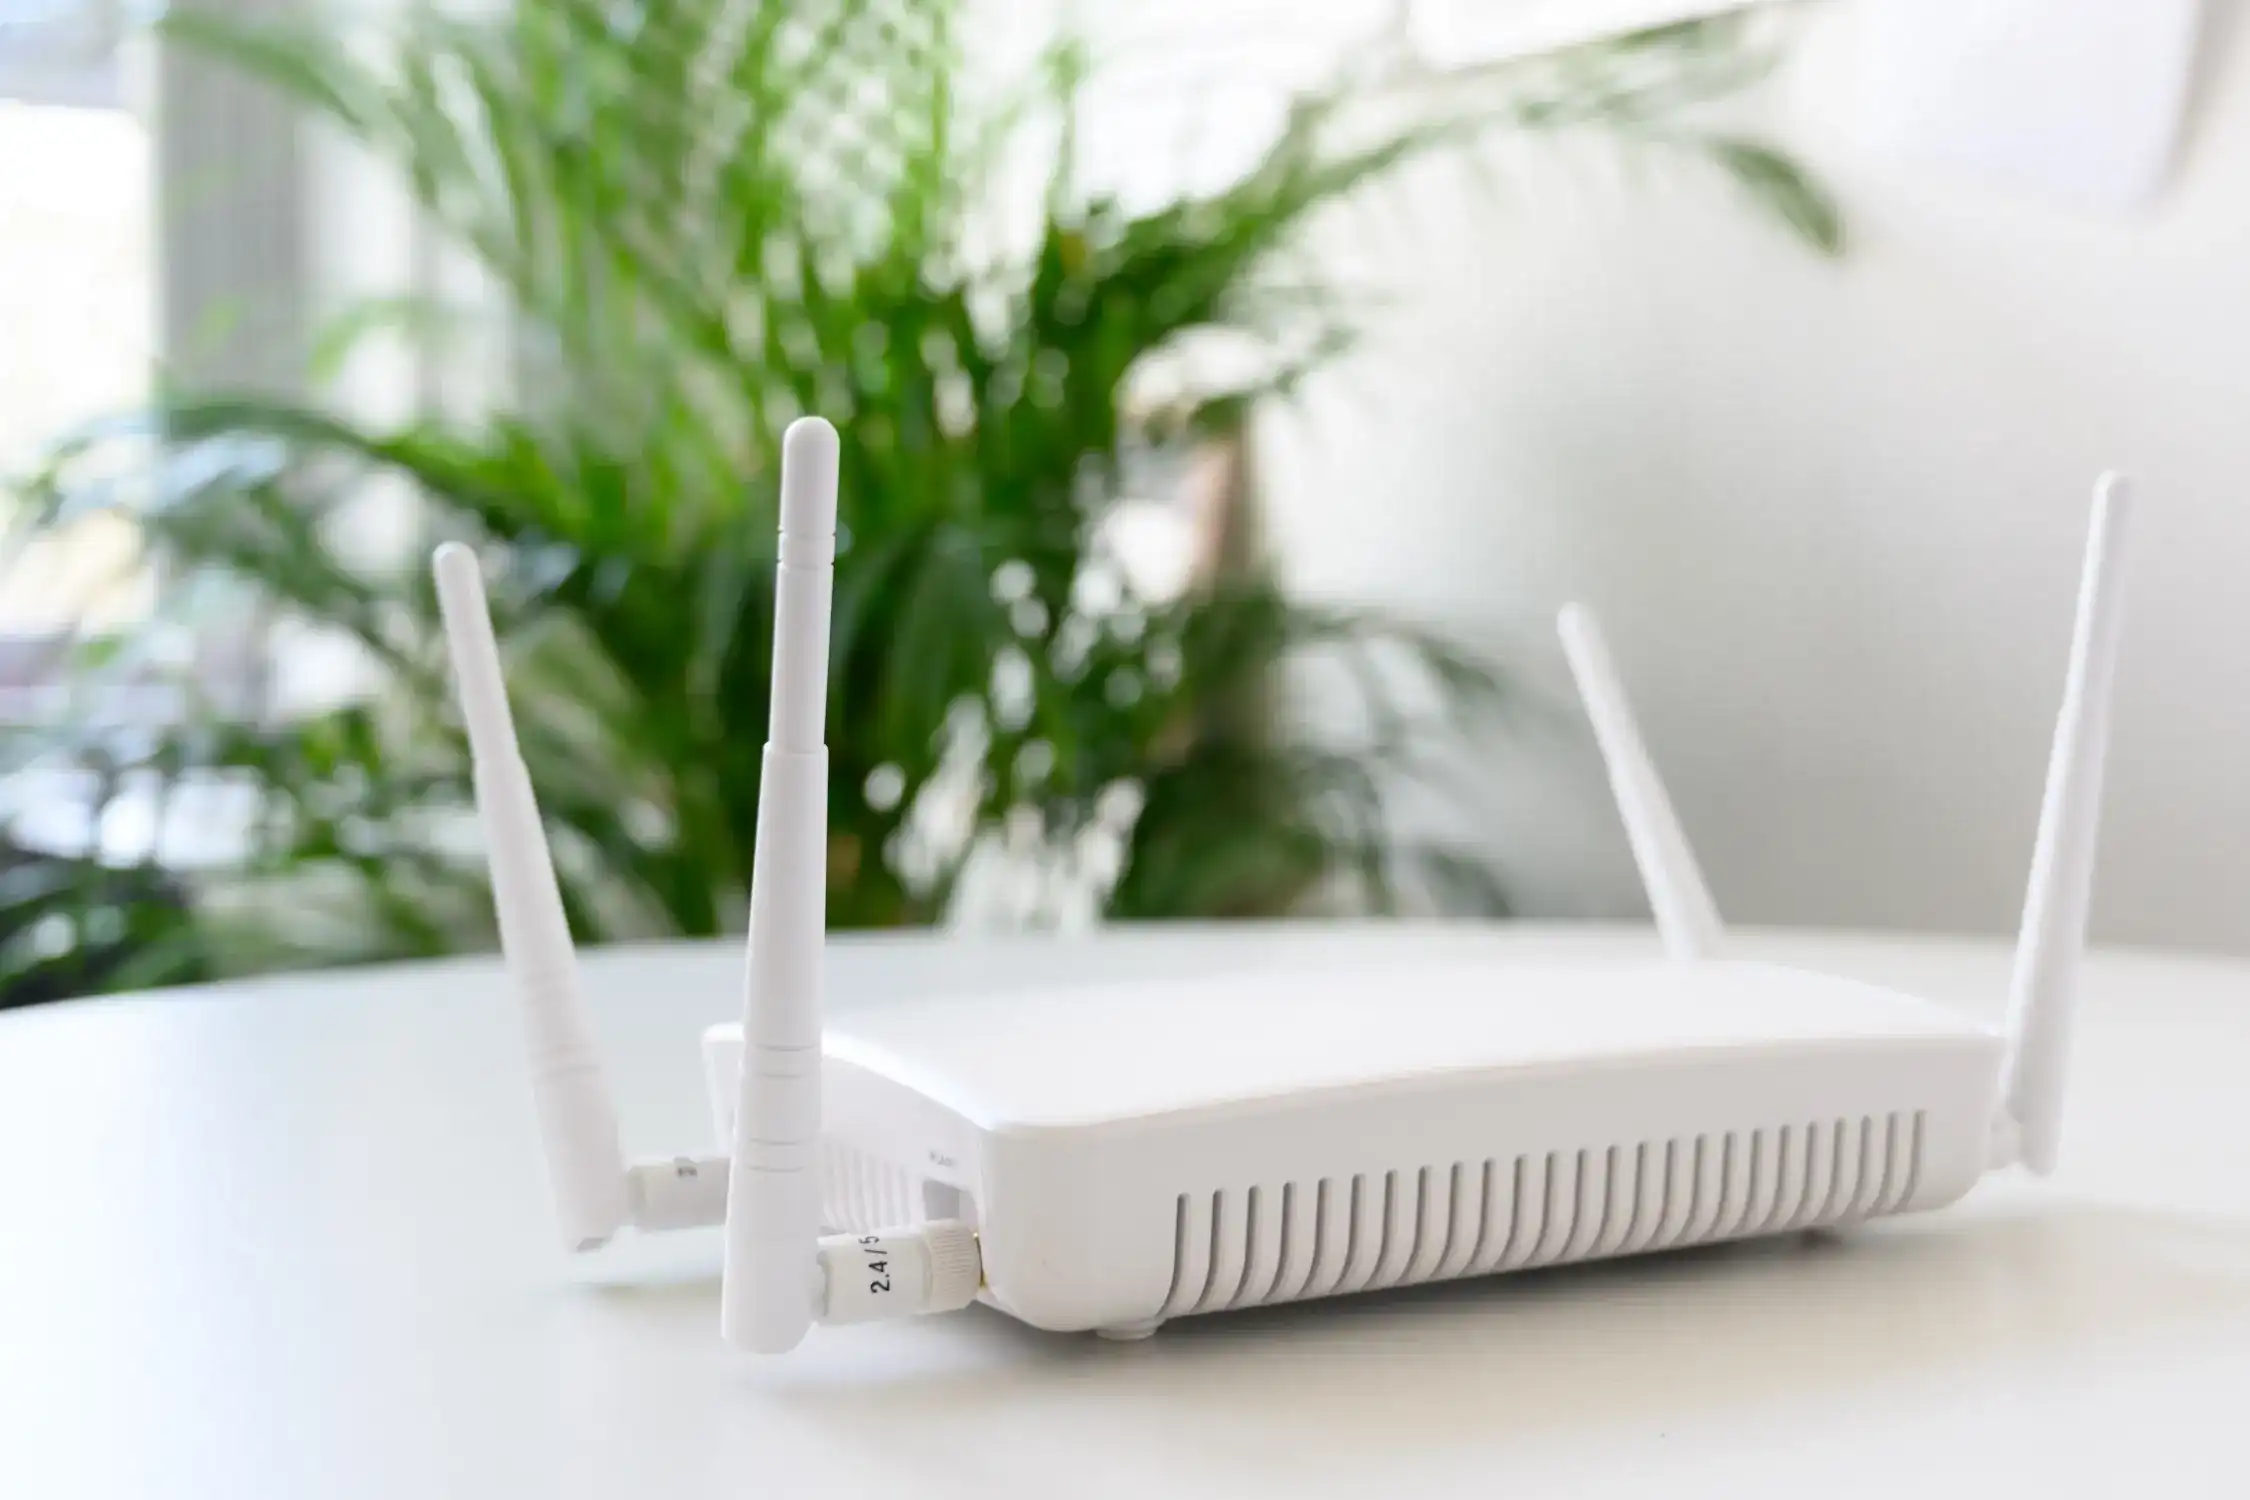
pixel 1830 512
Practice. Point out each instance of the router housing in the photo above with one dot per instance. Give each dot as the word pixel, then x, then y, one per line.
pixel 1113 1156
pixel 1132 1153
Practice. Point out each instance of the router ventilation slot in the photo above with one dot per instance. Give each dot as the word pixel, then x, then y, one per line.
pixel 860 1193
pixel 1245 1247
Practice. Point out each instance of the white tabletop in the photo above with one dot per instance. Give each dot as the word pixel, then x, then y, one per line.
pixel 289 1240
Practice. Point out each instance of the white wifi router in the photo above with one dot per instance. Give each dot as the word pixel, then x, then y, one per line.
pixel 1110 1157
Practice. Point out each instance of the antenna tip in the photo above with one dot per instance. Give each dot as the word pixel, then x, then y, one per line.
pixel 808 476
pixel 457 571
pixel 809 430
pixel 460 596
pixel 1578 627
pixel 2113 506
pixel 2113 490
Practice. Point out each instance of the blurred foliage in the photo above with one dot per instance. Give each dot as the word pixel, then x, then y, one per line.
pixel 703 219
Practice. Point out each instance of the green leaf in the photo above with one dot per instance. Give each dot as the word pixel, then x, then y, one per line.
pixel 1783 187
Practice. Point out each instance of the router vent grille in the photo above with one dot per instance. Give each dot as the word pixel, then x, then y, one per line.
pixel 1273 1242
pixel 861 1193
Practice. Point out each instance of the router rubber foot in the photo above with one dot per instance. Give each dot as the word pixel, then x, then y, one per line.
pixel 1129 1333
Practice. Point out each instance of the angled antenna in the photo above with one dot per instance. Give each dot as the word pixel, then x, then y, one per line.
pixel 577 1120
pixel 773 1277
pixel 2043 993
pixel 1686 918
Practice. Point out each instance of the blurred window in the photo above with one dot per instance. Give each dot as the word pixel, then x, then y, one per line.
pixel 76 306
pixel 77 337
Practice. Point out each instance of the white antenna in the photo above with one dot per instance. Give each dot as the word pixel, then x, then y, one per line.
pixel 1686 917
pixel 773 1277
pixel 577 1120
pixel 2043 994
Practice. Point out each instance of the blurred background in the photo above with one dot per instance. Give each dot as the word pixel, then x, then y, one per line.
pixel 1229 392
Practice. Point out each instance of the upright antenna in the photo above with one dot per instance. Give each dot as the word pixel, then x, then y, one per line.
pixel 1686 917
pixel 2043 994
pixel 577 1120
pixel 773 1277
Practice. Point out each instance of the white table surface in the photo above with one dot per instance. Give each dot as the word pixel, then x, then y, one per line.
pixel 290 1240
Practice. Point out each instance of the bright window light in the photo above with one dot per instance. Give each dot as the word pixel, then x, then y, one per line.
pixel 76 333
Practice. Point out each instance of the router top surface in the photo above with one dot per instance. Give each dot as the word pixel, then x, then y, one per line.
pixel 1117 1052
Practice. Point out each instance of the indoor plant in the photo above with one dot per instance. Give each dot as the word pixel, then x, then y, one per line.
pixel 705 218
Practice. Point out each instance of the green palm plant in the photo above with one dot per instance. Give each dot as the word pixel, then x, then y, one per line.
pixel 703 219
